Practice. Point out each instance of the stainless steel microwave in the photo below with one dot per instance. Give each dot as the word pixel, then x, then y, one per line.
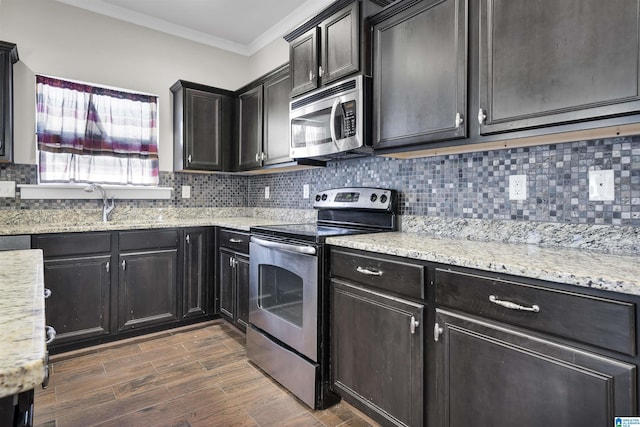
pixel 332 122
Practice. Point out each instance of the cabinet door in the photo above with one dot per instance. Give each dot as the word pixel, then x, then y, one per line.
pixel 488 374
pixel 555 61
pixel 147 289
pixel 226 274
pixel 242 291
pixel 196 277
pixel 276 119
pixel 340 43
pixel 303 57
pixel 250 122
pixel 203 130
pixel 411 107
pixel 377 353
pixel 80 297
pixel 8 57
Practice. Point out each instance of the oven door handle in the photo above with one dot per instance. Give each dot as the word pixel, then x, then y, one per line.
pixel 306 250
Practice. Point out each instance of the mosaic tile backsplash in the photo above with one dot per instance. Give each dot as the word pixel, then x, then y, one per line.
pixel 472 185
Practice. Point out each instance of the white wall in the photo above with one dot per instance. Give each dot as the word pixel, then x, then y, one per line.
pixel 60 40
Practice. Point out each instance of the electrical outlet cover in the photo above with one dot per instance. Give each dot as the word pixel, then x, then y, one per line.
pixel 305 191
pixel 517 187
pixel 266 192
pixel 601 185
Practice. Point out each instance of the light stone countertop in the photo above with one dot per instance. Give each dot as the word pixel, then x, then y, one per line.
pixel 22 349
pixel 83 220
pixel 587 268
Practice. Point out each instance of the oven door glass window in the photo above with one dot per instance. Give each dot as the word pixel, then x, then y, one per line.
pixel 281 293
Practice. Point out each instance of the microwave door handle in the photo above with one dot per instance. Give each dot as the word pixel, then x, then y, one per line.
pixel 306 250
pixel 332 119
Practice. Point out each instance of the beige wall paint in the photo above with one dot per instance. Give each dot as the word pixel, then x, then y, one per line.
pixel 60 40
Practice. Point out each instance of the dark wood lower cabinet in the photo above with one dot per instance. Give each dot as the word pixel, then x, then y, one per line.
pixel 107 285
pixel 377 353
pixel 234 287
pixel 79 305
pixel 197 283
pixel 490 375
pixel 147 289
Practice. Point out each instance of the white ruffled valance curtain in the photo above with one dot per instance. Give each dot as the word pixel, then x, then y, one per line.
pixel 92 134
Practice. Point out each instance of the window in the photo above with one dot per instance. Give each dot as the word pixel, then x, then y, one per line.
pixel 91 134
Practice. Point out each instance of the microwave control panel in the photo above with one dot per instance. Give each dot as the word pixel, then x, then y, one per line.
pixel 348 119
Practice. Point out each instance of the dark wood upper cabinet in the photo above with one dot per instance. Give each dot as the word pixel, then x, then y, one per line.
pixel 331 45
pixel 202 125
pixel 550 62
pixel 263 121
pixel 8 57
pixel 339 47
pixel 303 57
pixel 277 90
pixel 250 132
pixel 420 73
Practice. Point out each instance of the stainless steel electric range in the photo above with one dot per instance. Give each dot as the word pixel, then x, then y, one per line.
pixel 288 335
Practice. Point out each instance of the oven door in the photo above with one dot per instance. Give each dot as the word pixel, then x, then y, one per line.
pixel 283 293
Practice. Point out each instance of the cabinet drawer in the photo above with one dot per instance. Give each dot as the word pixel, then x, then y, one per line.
pixel 233 240
pixel 602 322
pixel 54 245
pixel 394 275
pixel 148 239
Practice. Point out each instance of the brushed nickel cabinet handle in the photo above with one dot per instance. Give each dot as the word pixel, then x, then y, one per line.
pixel 482 116
pixel 47 293
pixel 235 240
pixel 437 331
pixel 459 120
pixel 413 325
pixel 51 334
pixel 513 306
pixel 369 272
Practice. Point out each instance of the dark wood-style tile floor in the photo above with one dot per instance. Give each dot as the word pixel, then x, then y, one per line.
pixel 188 377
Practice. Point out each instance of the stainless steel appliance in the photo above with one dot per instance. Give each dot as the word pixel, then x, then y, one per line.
pixel 332 122
pixel 288 335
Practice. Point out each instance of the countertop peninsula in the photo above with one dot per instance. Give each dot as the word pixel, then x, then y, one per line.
pixel 23 349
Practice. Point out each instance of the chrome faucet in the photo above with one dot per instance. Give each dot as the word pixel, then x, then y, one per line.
pixel 107 205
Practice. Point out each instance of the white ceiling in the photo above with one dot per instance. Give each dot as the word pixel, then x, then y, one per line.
pixel 239 26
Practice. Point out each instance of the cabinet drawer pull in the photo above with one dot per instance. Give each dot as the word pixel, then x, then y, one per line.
pixel 413 325
pixel 235 240
pixel 369 272
pixel 513 306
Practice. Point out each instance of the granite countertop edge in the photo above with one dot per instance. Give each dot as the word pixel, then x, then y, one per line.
pixel 23 348
pixel 579 267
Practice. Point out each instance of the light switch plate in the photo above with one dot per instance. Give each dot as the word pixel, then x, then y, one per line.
pixel 7 189
pixel 601 185
pixel 186 192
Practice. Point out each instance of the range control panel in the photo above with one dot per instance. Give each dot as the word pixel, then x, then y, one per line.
pixel 355 198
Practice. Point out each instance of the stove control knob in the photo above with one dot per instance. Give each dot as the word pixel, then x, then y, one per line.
pixel 317 197
pixel 383 198
pixel 374 197
pixel 324 197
